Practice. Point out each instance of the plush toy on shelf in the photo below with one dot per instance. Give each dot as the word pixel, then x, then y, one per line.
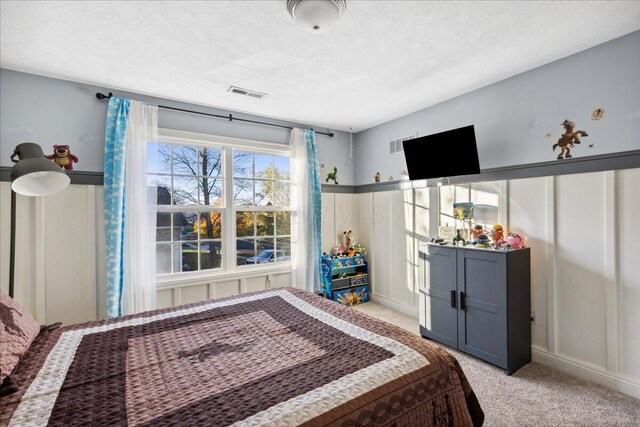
pixel 515 241
pixel 62 157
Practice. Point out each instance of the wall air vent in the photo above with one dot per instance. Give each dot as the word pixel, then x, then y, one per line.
pixel 395 146
pixel 246 92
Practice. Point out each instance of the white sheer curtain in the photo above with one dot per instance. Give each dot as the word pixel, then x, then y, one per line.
pixel 306 199
pixel 139 284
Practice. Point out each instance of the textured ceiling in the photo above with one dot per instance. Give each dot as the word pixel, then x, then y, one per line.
pixel 383 60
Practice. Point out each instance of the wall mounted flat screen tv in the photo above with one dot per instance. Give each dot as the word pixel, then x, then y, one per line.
pixel 425 160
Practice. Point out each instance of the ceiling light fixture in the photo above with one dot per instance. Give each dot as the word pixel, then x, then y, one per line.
pixel 316 16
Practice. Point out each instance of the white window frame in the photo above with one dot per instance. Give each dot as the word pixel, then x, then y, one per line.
pixel 229 238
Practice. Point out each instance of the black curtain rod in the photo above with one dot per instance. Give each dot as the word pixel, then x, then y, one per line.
pixel 102 96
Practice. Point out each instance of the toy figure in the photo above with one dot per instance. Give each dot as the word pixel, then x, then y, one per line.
pixel 333 176
pixel 497 235
pixel 515 241
pixel 62 157
pixel 348 239
pixel 376 177
pixel 337 250
pixel 458 238
pixel 568 139
pixel 477 230
pixel 482 241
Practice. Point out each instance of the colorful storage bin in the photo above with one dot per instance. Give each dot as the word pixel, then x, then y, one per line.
pixel 351 296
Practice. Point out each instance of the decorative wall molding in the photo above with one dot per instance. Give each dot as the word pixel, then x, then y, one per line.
pixel 586 371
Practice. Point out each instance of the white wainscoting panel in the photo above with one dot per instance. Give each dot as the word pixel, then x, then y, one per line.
pixel 580 267
pixel 328 222
pixel 628 274
pixel 380 252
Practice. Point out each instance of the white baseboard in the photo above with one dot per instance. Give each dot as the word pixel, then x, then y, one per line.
pixel 588 372
pixel 402 308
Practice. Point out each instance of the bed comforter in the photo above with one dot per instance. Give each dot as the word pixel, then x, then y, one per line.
pixel 280 357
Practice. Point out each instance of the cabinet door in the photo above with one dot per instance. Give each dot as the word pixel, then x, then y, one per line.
pixel 438 295
pixel 482 317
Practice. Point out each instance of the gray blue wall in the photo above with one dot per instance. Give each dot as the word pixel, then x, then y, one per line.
pixel 512 117
pixel 52 111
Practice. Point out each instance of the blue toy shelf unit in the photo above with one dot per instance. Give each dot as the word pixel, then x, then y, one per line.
pixel 346 279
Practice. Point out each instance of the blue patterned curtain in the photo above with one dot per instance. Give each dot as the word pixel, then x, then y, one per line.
pixel 314 203
pixel 114 178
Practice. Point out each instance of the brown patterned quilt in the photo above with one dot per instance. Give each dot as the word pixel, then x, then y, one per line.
pixel 280 357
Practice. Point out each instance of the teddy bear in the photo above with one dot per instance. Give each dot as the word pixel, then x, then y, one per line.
pixel 348 239
pixel 62 157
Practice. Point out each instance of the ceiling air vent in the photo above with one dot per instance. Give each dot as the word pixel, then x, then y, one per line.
pixel 246 92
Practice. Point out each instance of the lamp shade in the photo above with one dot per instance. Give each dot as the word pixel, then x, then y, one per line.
pixel 485 214
pixel 33 174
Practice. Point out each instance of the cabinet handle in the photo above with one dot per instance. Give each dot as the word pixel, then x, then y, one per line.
pixel 463 306
pixel 453 299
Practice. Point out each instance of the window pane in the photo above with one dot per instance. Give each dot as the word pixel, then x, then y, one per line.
pixel 210 255
pixel 184 226
pixel 163 227
pixel 210 191
pixel 242 192
pixel 244 224
pixel 283 223
pixel 265 223
pixel 163 259
pixel 210 225
pixel 185 160
pixel 187 256
pixel 242 164
pixel 283 249
pixel 272 193
pixel 163 188
pixel 210 162
pixel 158 158
pixel 265 244
pixel 245 250
pixel 185 191
pixel 281 167
pixel 263 165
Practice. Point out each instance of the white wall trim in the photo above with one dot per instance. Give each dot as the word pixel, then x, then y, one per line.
pixel 611 269
pixel 586 371
pixel 394 305
pixel 551 256
pixel 39 259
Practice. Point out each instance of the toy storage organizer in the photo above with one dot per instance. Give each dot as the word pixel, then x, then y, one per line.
pixel 346 279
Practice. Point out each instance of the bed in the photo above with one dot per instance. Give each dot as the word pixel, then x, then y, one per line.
pixel 278 357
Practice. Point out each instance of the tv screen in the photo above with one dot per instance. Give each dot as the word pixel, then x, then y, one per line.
pixel 424 158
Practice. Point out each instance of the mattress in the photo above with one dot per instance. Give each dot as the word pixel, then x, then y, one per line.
pixel 280 357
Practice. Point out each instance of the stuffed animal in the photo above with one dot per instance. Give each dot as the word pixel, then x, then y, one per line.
pixel 497 235
pixel 348 239
pixel 63 157
pixel 515 241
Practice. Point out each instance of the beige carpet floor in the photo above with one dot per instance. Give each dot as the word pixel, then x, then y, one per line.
pixel 536 395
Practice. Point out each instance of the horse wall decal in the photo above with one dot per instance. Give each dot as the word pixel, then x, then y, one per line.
pixel 568 139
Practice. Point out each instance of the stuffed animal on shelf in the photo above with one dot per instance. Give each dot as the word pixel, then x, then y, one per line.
pixel 348 239
pixel 497 235
pixel 515 241
pixel 62 157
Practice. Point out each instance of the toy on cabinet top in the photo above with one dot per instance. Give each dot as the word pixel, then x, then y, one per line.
pixel 62 157
pixel 477 230
pixel 497 235
pixel 482 241
pixel 333 176
pixel 458 239
pixel 515 241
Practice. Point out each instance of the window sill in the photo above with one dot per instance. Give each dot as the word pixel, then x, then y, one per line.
pixel 188 279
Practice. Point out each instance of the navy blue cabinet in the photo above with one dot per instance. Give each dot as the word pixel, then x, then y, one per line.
pixel 477 301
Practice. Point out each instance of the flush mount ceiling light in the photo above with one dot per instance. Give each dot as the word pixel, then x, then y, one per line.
pixel 316 16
